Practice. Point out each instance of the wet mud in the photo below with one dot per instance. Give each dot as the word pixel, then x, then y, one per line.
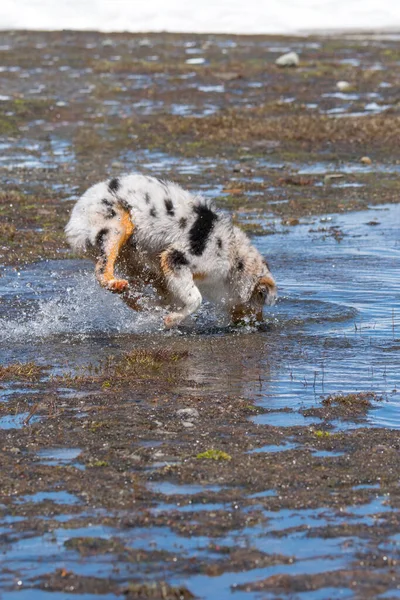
pixel 210 461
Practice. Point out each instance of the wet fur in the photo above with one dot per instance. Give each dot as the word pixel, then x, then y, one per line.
pixel 179 242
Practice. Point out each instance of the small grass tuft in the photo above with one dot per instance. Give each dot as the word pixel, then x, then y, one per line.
pixel 27 371
pixel 95 464
pixel 132 366
pixel 98 425
pixel 92 545
pixel 355 400
pixel 156 590
pixel 214 455
pixel 320 434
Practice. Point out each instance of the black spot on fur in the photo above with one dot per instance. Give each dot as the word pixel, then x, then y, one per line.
pixel 240 265
pixel 201 229
pixel 177 259
pixel 132 242
pixel 107 202
pixel 124 204
pixel 114 185
pixel 169 207
pixel 110 214
pixel 182 222
pixel 101 265
pixel 219 243
pixel 153 212
pixel 161 182
pixel 101 238
pixel 147 197
pixel 88 246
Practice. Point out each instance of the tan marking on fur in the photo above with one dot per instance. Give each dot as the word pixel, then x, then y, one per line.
pixel 164 262
pixel 106 277
pixel 267 281
pixel 117 285
pixel 199 276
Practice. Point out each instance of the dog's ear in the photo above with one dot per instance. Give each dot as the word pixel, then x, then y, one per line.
pixel 265 290
pixel 267 282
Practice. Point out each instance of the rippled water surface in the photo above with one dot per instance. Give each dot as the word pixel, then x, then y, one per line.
pixel 334 329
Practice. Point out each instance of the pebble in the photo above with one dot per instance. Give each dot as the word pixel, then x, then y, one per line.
pixel 135 457
pixel 291 59
pixel 344 86
pixel 188 412
pixel 292 221
pixel 365 160
pixel 380 448
pixel 187 424
pixel 15 450
pixel 228 76
pixel 331 176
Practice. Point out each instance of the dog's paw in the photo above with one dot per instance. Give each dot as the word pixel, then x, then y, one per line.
pixel 172 320
pixel 117 285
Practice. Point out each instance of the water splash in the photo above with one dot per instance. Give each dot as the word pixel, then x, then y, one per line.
pixel 57 298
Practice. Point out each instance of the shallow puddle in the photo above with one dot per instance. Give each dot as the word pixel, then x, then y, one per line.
pixel 322 594
pixel 264 494
pixel 273 448
pixel 60 456
pixel 334 329
pixel 17 421
pixel 32 594
pixel 56 497
pixel 326 453
pixel 169 489
pixel 343 300
pixel 286 419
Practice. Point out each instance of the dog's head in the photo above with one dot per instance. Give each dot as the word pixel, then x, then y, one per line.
pixel 264 291
pixel 254 283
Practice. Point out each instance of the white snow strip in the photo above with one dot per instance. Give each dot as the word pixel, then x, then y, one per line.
pixel 212 16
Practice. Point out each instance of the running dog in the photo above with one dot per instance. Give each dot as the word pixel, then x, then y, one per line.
pixel 179 243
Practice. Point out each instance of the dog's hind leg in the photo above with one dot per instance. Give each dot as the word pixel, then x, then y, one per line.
pixel 109 242
pixel 180 284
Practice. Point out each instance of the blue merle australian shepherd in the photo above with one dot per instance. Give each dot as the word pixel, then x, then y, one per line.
pixel 155 232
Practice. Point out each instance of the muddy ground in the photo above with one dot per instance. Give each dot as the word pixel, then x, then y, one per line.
pixel 139 473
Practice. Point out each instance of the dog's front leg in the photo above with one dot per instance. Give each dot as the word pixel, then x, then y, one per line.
pixel 180 284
